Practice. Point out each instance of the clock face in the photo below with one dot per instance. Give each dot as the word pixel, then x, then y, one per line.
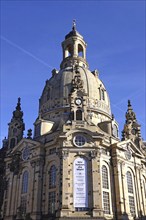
pixel 78 101
pixel 25 153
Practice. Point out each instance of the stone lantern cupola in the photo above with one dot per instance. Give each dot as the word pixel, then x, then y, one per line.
pixel 74 49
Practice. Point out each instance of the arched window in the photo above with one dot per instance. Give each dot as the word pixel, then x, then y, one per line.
pixel 24 191
pixel 72 115
pixel 48 94
pixel 51 202
pixel 23 203
pixel 52 177
pixel 68 51
pixel 12 143
pixel 52 194
pixel 129 182
pixel 102 94
pixel 130 193
pixel 105 184
pixel 78 115
pixel 80 50
pixel 25 182
pixel 105 190
pixel 115 130
pixel 37 129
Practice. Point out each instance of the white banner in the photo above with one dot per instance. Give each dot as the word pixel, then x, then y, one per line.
pixel 80 183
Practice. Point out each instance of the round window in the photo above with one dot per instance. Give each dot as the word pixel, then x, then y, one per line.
pixel 79 140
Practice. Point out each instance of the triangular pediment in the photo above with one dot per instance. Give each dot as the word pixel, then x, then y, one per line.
pixel 24 143
pixel 123 145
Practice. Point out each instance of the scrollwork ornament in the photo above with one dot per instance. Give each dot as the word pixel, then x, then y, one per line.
pixel 93 154
pixel 65 154
pixel 15 164
pixel 33 164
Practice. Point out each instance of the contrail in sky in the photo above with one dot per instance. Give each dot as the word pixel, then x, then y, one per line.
pixel 135 94
pixel 25 51
pixel 44 63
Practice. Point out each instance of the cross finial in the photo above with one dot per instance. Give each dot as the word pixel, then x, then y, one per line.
pixel 18 104
pixel 74 25
pixel 129 103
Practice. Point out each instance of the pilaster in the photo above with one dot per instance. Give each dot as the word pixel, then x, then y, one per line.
pixel 65 193
pixel 120 197
pixel 97 188
pixel 37 188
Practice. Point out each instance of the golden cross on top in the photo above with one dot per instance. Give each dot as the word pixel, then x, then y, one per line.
pixel 74 25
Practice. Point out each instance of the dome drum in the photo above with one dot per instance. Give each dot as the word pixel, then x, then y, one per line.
pixel 70 61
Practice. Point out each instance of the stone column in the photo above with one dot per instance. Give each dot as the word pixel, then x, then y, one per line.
pixel 65 193
pixel 124 189
pixel 18 196
pixel 17 192
pixel 14 191
pixel 9 205
pixel 75 49
pixel 37 188
pixel 84 53
pixel 141 192
pixel 32 183
pixel 137 191
pixel 97 186
pixel 119 185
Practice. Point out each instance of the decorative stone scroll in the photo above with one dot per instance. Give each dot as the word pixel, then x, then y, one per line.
pixel 15 164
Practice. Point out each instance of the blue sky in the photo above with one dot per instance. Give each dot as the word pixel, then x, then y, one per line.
pixel 31 36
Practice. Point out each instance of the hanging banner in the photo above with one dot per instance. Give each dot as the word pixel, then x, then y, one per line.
pixel 80 183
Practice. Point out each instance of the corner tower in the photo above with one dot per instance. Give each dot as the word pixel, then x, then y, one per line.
pixel 16 126
pixel 131 128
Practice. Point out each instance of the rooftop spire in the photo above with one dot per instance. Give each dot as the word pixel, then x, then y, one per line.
pixel 131 128
pixel 18 107
pixel 18 113
pixel 130 115
pixel 16 126
pixel 129 105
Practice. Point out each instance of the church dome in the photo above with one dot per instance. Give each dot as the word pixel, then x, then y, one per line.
pixel 74 93
pixel 59 87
